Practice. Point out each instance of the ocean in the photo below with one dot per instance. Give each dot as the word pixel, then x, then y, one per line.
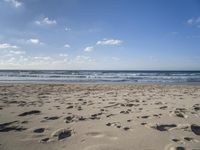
pixel 99 76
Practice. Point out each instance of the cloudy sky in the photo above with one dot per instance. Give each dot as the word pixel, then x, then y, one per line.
pixel 100 34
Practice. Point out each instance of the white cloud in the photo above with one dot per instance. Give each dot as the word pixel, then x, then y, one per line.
pixel 67 29
pixel 67 46
pixel 15 3
pixel 63 55
pixel 7 45
pixel 46 21
pixel 64 58
pixel 81 59
pixel 109 42
pixel 190 21
pixel 60 61
pixel 8 50
pixel 17 52
pixel 42 58
pixel 194 21
pixel 198 20
pixel 11 58
pixel 34 41
pixel 89 49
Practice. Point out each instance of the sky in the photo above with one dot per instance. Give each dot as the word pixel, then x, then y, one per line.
pixel 100 34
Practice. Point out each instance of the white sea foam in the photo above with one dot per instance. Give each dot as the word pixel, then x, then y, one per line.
pixel 101 76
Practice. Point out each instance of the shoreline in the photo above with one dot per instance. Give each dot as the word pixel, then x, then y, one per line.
pixel 97 83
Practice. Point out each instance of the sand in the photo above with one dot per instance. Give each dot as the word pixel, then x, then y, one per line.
pixel 99 117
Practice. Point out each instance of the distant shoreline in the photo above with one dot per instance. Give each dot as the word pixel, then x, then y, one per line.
pixel 100 76
pixel 93 83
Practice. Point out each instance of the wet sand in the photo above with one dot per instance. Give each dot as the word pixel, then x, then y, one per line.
pixel 99 117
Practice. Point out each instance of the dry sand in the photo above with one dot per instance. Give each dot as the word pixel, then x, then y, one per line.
pixel 99 117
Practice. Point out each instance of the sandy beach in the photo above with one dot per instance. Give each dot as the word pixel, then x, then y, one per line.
pixel 99 117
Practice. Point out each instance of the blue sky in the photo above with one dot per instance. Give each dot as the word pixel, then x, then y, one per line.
pixel 100 34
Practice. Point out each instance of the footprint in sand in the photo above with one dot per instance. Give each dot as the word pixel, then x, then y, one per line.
pixel 172 147
pixel 179 112
pixel 196 107
pixel 164 127
pixel 96 116
pixel 11 126
pixel 189 139
pixel 195 129
pixel 39 130
pixel 114 124
pixel 179 148
pixel 143 123
pixel 118 125
pixel 144 117
pixel 176 140
pixel 70 107
pixel 163 107
pixel 73 118
pixel 109 115
pixel 61 134
pixel 44 140
pixel 58 135
pixel 52 118
pixel 184 140
pixel 126 128
pixel 32 112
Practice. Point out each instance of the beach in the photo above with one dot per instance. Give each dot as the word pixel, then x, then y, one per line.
pixel 99 116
